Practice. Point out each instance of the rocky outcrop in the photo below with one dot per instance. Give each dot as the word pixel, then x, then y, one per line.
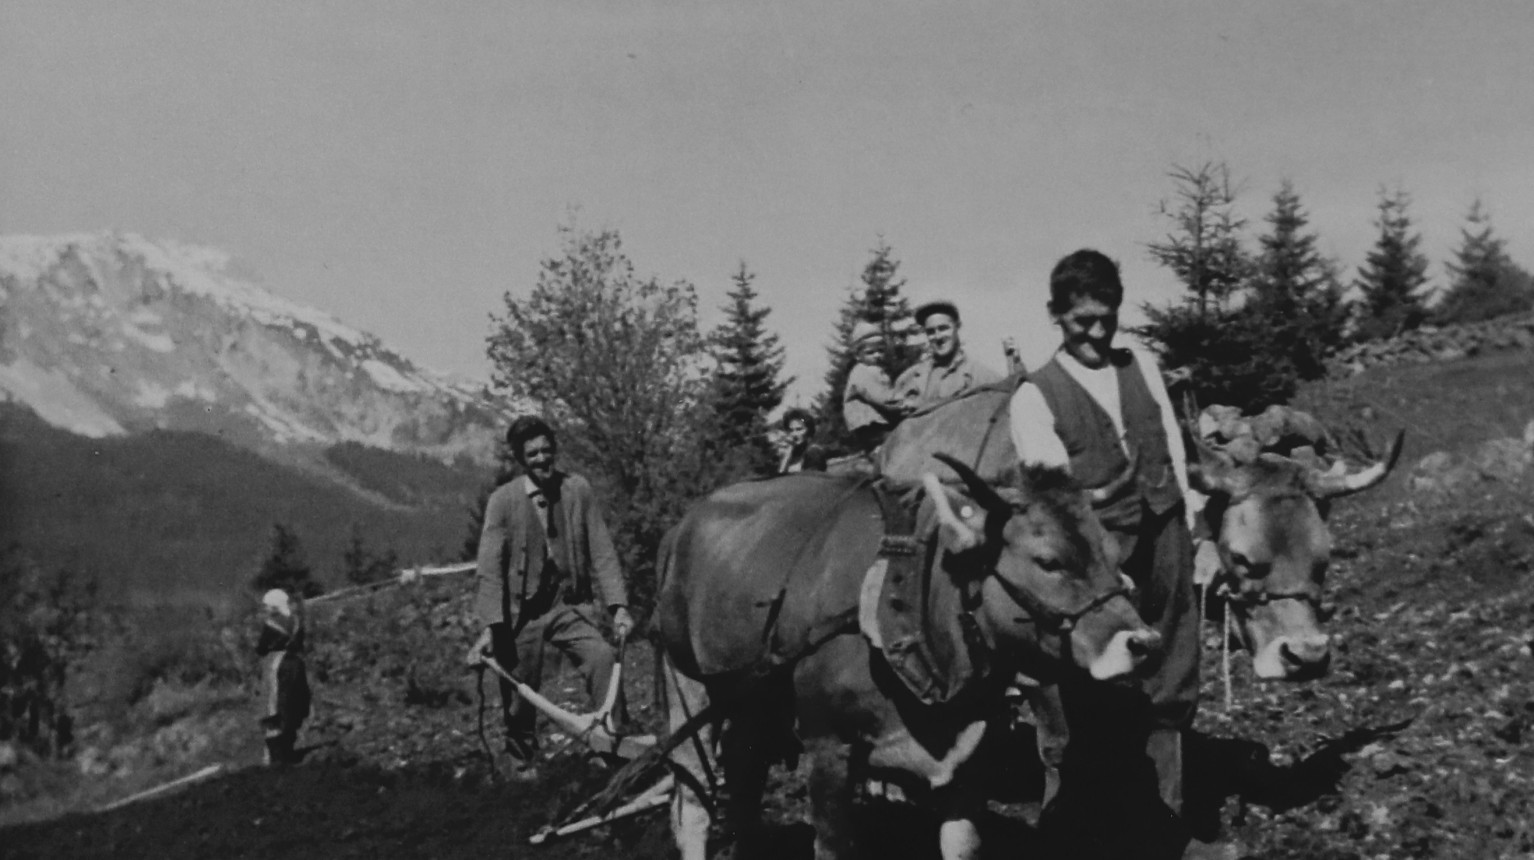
pixel 1506 459
pixel 111 334
pixel 1431 343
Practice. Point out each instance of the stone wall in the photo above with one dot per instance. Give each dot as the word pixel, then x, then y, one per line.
pixel 1431 343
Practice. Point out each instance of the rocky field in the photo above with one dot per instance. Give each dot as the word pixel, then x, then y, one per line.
pixel 1420 743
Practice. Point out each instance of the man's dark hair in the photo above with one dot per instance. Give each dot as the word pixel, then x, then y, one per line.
pixel 797 414
pixel 1084 274
pixel 525 429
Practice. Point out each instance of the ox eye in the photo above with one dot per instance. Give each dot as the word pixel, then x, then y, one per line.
pixel 1248 568
pixel 1050 564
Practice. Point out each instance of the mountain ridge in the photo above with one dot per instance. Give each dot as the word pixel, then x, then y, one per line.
pixel 107 334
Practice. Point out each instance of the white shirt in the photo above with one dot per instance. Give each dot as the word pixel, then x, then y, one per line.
pixel 1033 425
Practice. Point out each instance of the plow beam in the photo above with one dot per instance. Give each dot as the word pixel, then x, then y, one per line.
pixel 656 795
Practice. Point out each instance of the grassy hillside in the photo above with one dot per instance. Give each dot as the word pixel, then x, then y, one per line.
pixel 175 517
pixel 1450 406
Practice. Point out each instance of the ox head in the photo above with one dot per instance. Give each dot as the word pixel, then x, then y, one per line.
pixel 1042 570
pixel 1276 546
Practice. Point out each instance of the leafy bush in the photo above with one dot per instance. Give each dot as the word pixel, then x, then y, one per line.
pixel 46 628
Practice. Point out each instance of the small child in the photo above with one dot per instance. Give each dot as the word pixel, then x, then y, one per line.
pixel 870 405
pixel 287 678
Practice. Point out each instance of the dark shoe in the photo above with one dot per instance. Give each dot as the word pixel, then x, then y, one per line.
pixel 279 750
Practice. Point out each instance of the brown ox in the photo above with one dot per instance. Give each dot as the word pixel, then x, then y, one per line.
pixel 765 574
pixel 1269 516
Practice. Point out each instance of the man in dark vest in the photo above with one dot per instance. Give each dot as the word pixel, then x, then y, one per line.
pixel 1098 410
pixel 545 558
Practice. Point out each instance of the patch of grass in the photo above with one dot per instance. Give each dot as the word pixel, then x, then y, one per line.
pixel 1450 406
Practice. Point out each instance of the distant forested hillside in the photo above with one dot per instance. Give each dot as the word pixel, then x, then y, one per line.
pixel 176 517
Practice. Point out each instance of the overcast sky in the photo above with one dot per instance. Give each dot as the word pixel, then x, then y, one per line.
pixel 402 165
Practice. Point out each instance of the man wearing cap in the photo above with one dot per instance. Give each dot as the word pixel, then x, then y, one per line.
pixel 870 403
pixel 545 558
pixel 946 371
pixel 1096 411
pixel 287 679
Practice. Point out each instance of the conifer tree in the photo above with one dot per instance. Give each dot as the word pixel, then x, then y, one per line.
pixel 1391 280
pixel 1295 294
pixel 878 300
pixel 285 566
pixel 1484 281
pixel 747 376
pixel 360 565
pixel 1205 248
pixel 1213 349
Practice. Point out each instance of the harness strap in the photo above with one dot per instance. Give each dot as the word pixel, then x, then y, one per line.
pixel 901 609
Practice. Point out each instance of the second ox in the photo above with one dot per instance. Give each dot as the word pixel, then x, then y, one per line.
pixel 1267 511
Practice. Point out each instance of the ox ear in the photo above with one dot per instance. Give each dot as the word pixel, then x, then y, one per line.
pixel 1213 472
pixel 958 535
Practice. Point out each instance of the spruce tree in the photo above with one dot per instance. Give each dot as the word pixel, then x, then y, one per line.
pixel 747 376
pixel 1294 291
pixel 1484 281
pixel 878 300
pixel 1390 282
pixel 1205 247
pixel 360 565
pixel 285 566
pixel 1211 346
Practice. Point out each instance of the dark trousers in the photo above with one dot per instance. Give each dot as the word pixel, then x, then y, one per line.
pixel 1125 739
pixel 573 631
pixel 287 704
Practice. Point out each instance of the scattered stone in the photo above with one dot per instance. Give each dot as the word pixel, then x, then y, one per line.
pixel 1386 764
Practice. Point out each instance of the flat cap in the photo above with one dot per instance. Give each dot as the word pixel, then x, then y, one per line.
pixel 936 306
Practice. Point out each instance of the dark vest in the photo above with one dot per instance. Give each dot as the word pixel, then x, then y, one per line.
pixel 1093 444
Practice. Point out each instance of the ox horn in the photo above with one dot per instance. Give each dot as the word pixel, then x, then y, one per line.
pixel 979 490
pixel 1214 473
pixel 1332 484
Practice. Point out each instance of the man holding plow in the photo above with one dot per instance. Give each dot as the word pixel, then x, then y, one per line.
pixel 545 560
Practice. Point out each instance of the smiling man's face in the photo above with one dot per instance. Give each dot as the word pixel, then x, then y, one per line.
pixel 538 455
pixel 1087 330
pixel 942 333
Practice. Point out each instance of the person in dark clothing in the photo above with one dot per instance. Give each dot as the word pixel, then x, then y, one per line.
pixel 545 559
pixel 287 679
pixel 799 455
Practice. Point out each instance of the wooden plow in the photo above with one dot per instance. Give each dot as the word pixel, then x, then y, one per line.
pixel 598 733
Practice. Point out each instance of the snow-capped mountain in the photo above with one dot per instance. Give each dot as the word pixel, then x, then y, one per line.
pixel 108 334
